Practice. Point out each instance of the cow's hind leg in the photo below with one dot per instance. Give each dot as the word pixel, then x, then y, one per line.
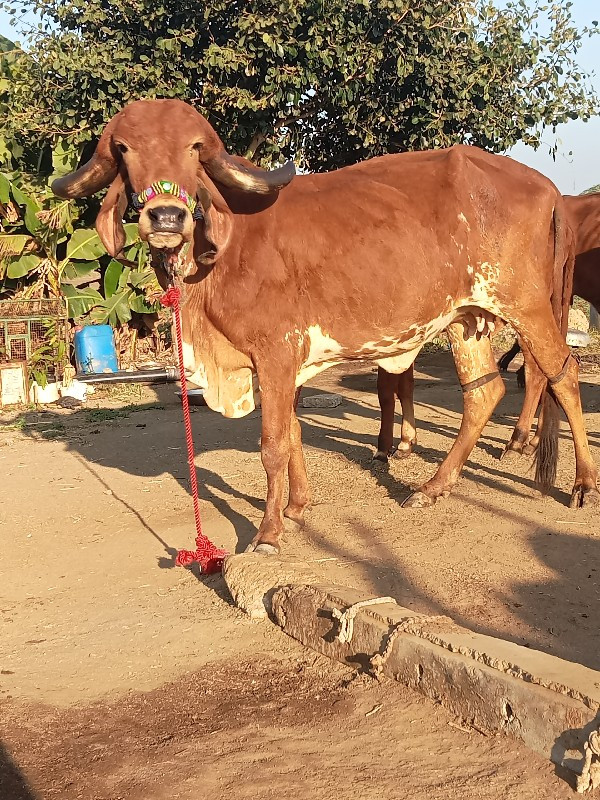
pixel 406 391
pixel 277 395
pixel 482 390
pixel 553 357
pixel 535 382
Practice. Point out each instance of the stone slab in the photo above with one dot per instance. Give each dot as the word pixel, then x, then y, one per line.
pixel 496 686
pixel 252 578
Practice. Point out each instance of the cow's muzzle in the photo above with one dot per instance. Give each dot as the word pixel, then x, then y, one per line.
pixel 165 225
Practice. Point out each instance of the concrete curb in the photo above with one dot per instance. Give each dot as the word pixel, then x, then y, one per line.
pixel 552 705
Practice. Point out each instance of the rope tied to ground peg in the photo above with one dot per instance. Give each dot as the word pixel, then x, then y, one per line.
pixel 207 555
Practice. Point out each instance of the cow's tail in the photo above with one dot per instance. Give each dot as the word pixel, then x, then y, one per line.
pixel 564 261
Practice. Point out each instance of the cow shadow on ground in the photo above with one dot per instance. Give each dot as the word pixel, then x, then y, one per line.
pixel 13 784
pixel 160 448
pixel 323 429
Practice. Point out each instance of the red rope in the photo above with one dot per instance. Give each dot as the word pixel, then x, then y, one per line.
pixel 206 554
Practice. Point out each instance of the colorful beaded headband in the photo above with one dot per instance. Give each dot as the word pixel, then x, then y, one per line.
pixel 139 199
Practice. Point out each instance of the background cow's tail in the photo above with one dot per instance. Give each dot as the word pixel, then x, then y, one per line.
pixel 564 262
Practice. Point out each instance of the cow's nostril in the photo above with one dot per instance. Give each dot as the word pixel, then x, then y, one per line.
pixel 181 215
pixel 153 214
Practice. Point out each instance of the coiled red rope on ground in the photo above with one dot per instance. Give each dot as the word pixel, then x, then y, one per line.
pixel 207 555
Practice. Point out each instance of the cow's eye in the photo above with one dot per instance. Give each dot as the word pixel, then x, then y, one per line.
pixel 122 148
pixel 197 146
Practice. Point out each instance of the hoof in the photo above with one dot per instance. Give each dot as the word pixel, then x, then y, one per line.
pixel 512 453
pixel 529 449
pixel 400 453
pixel 262 547
pixel 381 457
pixel 583 497
pixel 418 500
pixel 291 525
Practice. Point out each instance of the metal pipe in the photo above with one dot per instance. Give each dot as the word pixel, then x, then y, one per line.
pixel 154 375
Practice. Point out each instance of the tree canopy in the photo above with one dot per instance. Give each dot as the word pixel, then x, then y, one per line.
pixel 328 83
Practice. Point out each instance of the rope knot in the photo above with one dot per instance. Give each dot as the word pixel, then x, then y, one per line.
pixel 171 297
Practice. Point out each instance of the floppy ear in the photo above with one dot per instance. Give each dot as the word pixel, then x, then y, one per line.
pixel 216 227
pixel 109 222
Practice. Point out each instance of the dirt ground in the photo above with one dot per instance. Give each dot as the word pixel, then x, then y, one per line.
pixel 124 677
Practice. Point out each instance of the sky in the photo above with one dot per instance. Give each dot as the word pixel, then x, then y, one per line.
pixel 577 163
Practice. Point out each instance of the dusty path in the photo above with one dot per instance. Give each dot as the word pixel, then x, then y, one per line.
pixel 93 611
pixel 231 733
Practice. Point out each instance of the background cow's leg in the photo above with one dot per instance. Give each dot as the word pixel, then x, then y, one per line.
pixel 534 386
pixel 552 355
pixel 406 391
pixel 474 360
pixel 299 497
pixel 277 395
pixel 533 443
pixel 504 361
pixel 387 384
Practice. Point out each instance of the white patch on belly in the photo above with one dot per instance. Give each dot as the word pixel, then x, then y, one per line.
pixel 396 354
pixel 324 352
pixel 485 284
pixel 398 364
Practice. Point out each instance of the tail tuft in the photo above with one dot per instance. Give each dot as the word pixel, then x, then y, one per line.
pixel 546 456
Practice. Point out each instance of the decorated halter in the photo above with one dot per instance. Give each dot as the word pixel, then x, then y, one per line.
pixel 139 199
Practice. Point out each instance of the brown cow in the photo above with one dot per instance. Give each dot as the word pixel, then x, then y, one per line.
pixel 584 217
pixel 371 261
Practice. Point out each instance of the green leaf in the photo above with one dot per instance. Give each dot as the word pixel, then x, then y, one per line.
pixel 77 269
pixel 142 277
pixel 13 244
pixel 80 301
pixel 4 189
pixel 19 267
pixel 132 234
pixel 86 245
pixel 114 309
pixel 32 206
pixel 138 303
pixel 111 277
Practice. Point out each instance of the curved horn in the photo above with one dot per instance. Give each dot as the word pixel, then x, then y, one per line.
pixel 238 173
pixel 96 174
pixel 87 180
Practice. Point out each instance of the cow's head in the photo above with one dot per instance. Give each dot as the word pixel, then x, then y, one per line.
pixel 166 158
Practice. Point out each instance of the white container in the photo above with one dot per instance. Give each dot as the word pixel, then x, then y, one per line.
pixel 49 394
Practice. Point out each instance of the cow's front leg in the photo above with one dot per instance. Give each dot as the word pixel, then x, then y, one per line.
pixel 482 389
pixel 277 395
pixel 299 497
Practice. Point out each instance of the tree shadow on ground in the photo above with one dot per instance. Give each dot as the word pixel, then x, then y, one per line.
pixel 573 589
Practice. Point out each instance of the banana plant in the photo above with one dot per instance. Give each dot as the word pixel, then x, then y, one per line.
pixel 43 253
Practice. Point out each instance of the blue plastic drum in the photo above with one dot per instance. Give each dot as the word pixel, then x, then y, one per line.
pixel 95 350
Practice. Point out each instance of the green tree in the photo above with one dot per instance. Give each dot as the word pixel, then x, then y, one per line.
pixel 329 83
